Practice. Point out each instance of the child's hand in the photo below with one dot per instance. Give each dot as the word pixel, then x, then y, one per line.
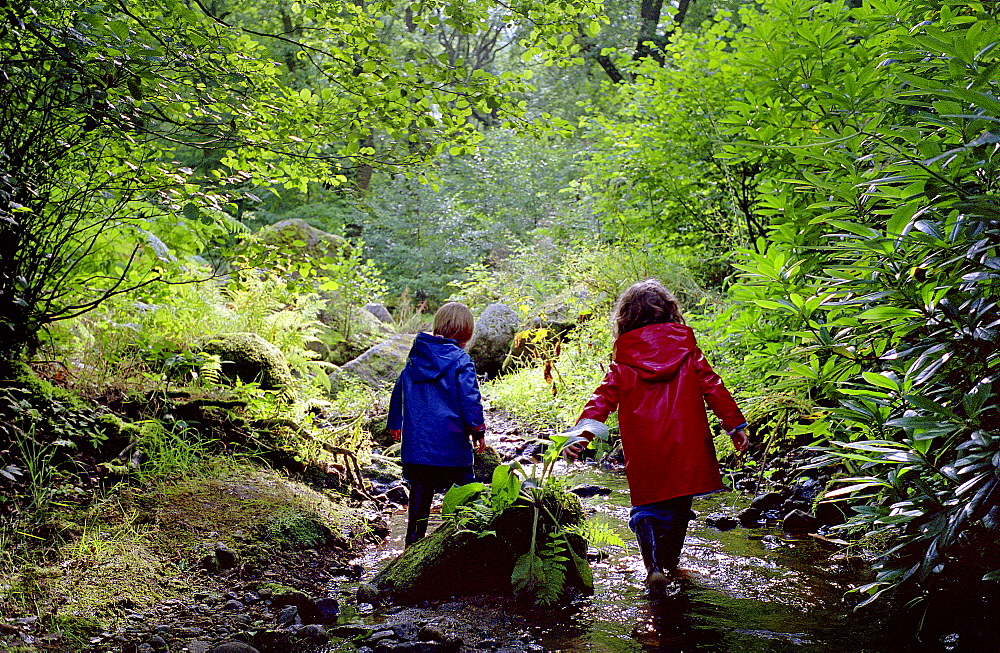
pixel 480 444
pixel 740 440
pixel 573 451
pixel 397 434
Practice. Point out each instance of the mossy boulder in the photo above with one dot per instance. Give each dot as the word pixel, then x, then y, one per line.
pixel 302 241
pixel 249 358
pixel 350 333
pixel 377 367
pixel 455 562
pixel 295 530
pixel 484 463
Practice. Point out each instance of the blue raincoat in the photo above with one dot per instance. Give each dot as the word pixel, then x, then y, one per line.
pixel 436 403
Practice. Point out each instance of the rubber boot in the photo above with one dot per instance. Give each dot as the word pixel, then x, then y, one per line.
pixel 670 540
pixel 418 511
pixel 646 535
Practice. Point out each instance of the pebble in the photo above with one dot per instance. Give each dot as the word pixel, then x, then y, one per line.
pixel 288 616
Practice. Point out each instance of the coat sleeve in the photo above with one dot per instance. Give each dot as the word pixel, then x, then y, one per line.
pixel 395 419
pixel 716 395
pixel 469 399
pixel 605 399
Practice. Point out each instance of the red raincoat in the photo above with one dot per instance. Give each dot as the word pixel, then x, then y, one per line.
pixel 660 382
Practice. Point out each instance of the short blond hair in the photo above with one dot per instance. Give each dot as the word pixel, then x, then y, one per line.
pixel 455 321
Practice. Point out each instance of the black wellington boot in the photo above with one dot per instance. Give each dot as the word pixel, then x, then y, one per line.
pixel 670 540
pixel 418 511
pixel 646 535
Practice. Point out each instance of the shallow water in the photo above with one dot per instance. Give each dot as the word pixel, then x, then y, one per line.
pixel 745 590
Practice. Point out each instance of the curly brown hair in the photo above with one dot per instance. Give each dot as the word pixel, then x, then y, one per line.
pixel 644 303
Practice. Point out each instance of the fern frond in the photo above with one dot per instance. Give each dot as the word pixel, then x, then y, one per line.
pixel 210 370
pixel 554 559
pixel 598 534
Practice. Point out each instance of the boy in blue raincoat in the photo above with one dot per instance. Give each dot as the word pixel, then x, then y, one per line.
pixel 435 408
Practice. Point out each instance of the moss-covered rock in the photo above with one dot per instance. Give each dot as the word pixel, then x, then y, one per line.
pixel 454 562
pixel 350 332
pixel 295 530
pixel 377 367
pixel 249 358
pixel 484 464
pixel 302 241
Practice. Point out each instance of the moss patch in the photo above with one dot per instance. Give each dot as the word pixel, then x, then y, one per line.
pixel 138 548
pixel 249 358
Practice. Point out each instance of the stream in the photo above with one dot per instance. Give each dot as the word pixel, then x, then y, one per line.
pixel 745 590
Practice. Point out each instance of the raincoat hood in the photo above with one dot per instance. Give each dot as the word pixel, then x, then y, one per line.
pixel 432 356
pixel 656 352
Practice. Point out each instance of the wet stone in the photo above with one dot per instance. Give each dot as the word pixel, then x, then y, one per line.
pixel 590 490
pixel 764 502
pixel 288 616
pixel 749 517
pixel 157 644
pixel 721 521
pixel 407 631
pixel 198 646
pixel 233 605
pixel 798 521
pixel 350 630
pixel 313 633
pixel 329 610
pixel 234 647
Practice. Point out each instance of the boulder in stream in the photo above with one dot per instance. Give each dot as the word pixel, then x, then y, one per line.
pixel 456 562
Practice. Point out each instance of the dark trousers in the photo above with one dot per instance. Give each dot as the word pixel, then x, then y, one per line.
pixel 424 481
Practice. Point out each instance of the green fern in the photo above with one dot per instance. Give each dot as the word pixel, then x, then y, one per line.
pixel 554 560
pixel 210 370
pixel 599 534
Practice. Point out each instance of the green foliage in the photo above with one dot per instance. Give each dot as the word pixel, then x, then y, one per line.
pixel 875 295
pixel 543 572
pixel 92 195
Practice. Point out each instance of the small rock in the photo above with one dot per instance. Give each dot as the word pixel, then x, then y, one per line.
pixel 398 495
pixel 198 646
pixel 410 647
pixel 405 631
pixel 798 521
pixel 368 593
pixel 143 648
pixel 288 616
pixel 329 610
pixel 232 605
pixel 749 517
pixel 225 556
pixel 350 631
pixel 274 640
pixel 158 644
pixel 313 633
pixel 721 521
pixel 764 502
pixel 590 490
pixel 234 647
pixel 431 632
pixel 188 631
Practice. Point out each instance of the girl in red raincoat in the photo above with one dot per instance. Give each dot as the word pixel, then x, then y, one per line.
pixel 659 382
